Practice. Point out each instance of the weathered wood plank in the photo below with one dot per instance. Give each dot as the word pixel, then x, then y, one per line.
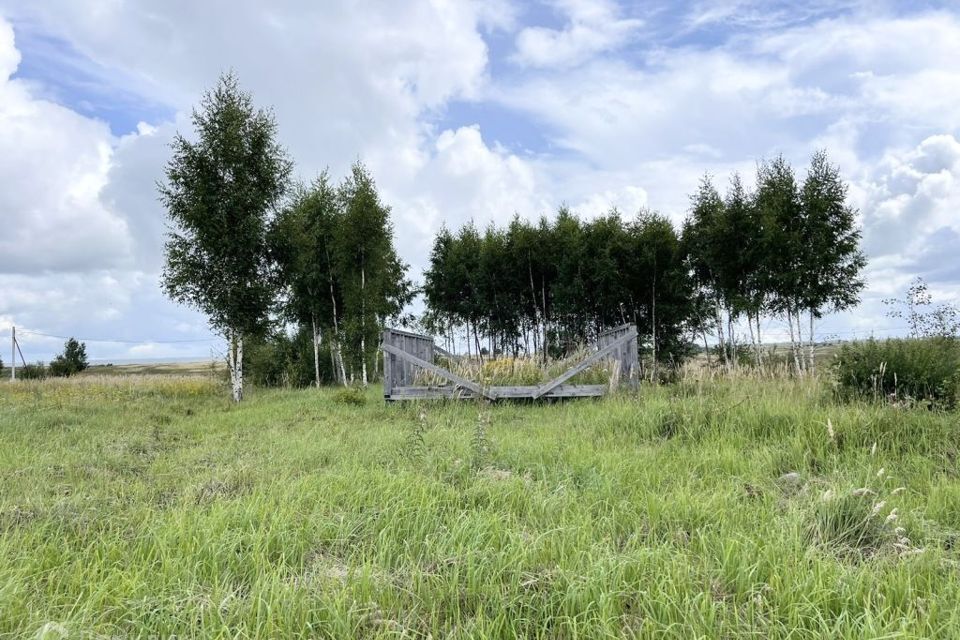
pixel 387 365
pixel 584 364
pixel 440 371
pixel 563 391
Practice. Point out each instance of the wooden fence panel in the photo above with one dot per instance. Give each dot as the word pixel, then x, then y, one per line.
pixel 405 353
pixel 398 372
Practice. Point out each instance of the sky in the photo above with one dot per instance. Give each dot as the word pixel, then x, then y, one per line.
pixel 462 110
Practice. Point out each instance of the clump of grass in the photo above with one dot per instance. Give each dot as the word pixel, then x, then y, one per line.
pixel 415 446
pixel 904 371
pixel 851 523
pixel 479 442
pixel 860 522
pixel 353 396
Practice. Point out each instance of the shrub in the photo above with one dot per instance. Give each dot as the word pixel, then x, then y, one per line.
pixel 350 395
pixel 926 370
pixel 36 371
pixel 72 360
pixel 284 361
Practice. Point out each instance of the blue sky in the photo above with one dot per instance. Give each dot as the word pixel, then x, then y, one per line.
pixel 463 110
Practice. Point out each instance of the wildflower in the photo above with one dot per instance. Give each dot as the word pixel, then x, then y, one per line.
pixel 833 436
pixel 881 472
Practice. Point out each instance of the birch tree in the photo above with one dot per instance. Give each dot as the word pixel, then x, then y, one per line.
pixel 831 278
pixel 373 277
pixel 302 241
pixel 220 189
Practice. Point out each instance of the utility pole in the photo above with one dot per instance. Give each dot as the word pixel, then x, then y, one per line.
pixel 13 352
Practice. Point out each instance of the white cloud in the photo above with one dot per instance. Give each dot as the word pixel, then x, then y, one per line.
pixel 911 197
pixel 53 165
pixel 352 80
pixel 462 179
pixel 594 26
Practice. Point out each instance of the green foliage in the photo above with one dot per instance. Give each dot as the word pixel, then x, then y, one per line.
pixel 908 370
pixel 353 396
pixel 280 360
pixel 338 269
pixel 34 371
pixel 786 249
pixel 72 360
pixel 371 274
pixel 555 286
pixel 218 192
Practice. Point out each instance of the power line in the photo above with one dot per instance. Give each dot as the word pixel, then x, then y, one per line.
pixel 49 335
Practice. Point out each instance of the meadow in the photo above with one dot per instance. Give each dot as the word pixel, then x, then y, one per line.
pixel 152 506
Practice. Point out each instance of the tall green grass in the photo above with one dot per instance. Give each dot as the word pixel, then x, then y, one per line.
pixel 912 370
pixel 707 509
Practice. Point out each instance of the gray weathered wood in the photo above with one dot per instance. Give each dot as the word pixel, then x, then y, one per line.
pixel 405 353
pixel 584 364
pixel 563 391
pixel 388 366
pixel 440 371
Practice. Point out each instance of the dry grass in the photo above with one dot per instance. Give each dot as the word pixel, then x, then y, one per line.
pixel 522 370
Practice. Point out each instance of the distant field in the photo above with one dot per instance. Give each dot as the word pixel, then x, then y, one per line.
pixel 200 367
pixel 151 507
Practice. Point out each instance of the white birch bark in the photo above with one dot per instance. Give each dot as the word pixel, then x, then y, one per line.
pixel 235 359
pixel 316 353
pixel 363 325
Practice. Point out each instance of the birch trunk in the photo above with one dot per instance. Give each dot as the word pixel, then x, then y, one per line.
pixel 753 339
pixel 793 343
pixel 316 352
pixel 235 358
pixel 811 366
pixel 543 300
pixel 335 342
pixel 723 345
pixel 759 342
pixel 363 324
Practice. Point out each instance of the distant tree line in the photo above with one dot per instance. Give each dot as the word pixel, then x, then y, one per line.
pixel 550 286
pixel 787 249
pixel 72 360
pixel 264 259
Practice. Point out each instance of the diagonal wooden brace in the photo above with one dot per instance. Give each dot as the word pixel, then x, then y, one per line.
pixel 440 371
pixel 569 373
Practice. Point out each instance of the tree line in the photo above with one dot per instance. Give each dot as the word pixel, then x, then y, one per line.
pixel 261 255
pixel 549 286
pixel 257 253
pixel 787 249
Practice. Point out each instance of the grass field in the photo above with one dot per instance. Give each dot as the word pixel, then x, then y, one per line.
pixel 152 507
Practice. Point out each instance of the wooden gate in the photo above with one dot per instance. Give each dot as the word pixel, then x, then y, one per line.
pixel 405 352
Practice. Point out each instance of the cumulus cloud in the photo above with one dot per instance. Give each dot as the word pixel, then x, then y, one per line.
pixel 593 26
pixel 53 165
pixel 627 123
pixel 910 212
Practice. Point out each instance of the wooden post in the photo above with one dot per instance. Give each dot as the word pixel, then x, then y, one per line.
pixel 13 353
pixel 387 365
